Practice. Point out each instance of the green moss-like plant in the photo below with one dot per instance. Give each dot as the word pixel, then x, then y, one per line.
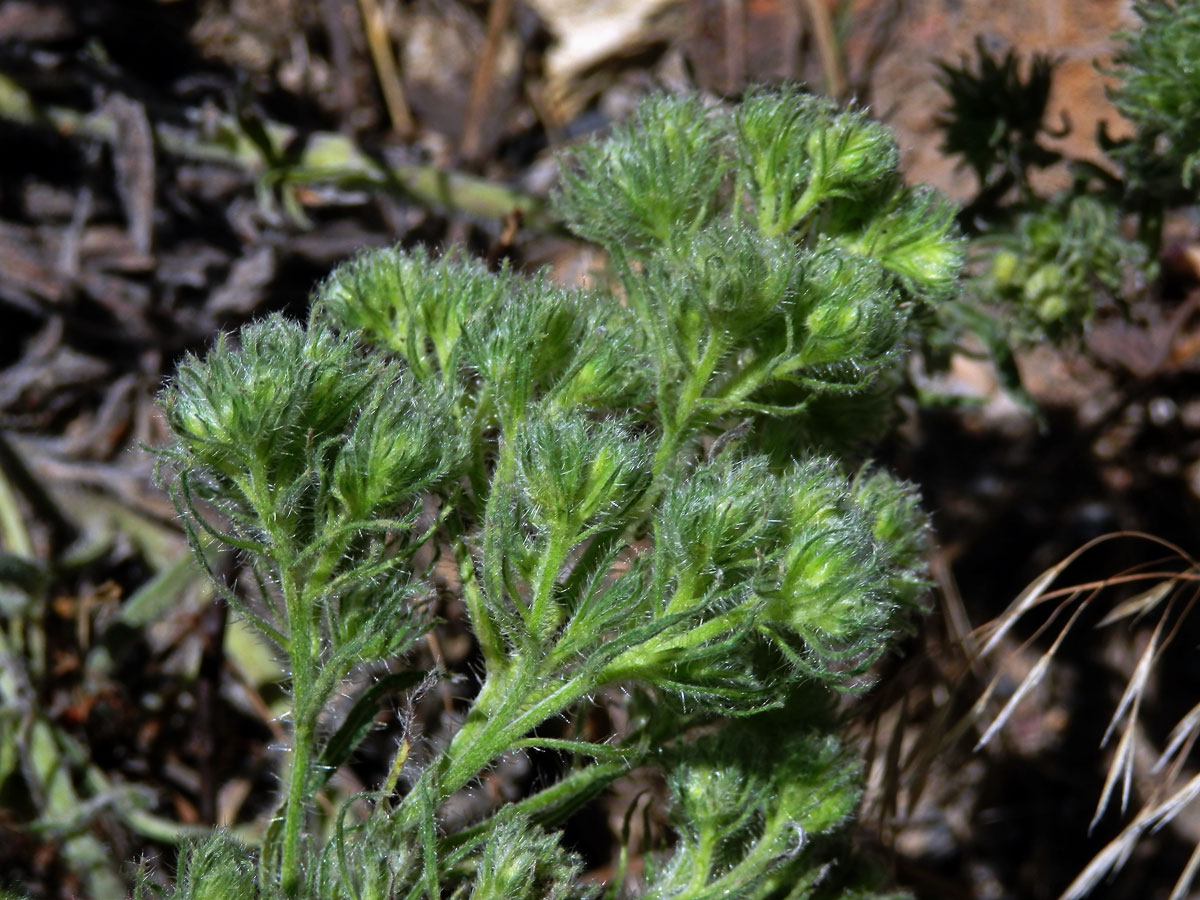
pixel 643 488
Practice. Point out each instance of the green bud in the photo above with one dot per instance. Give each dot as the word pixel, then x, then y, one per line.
pixel 652 184
pixel 914 236
pixel 609 369
pixel 721 522
pixel 217 869
pixel 839 588
pixel 1005 265
pixel 522 862
pixel 521 351
pixel 755 795
pixel 852 153
pixel 579 474
pixel 817 784
pixel 1044 280
pixel 713 794
pixel 798 152
pixel 852 314
pixel 1071 254
pixel 402 441
pixel 825 596
pixel 412 304
pixel 744 278
pixel 1052 308
pixel 265 407
pixel 773 132
pixel 901 531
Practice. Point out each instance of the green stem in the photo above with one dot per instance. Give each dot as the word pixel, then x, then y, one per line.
pixel 331 554
pixel 679 425
pixel 648 657
pixel 714 627
pixel 541 625
pixel 684 592
pixel 701 375
pixel 300 648
pixel 555 803
pixel 750 377
pixel 297 809
pixel 702 863
pixel 491 643
pixel 767 206
pixel 495 698
pixel 499 494
pixel 505 710
pixel 751 866
pixel 323 158
pixel 813 193
pixel 300 652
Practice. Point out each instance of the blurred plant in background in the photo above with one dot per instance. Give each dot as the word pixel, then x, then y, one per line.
pixel 1159 94
pixel 1043 267
pixel 1058 264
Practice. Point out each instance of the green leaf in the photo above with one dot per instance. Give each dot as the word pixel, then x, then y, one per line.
pixel 915 237
pixel 652 183
pixel 1158 91
pixel 413 304
pixel 796 152
pixel 522 862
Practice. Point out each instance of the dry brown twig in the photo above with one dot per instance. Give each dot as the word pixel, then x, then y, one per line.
pixel 390 83
pixel 471 144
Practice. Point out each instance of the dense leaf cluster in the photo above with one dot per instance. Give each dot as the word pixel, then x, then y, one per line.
pixel 1055 266
pixel 1043 267
pixel 639 489
pixel 1159 92
pixel 997 116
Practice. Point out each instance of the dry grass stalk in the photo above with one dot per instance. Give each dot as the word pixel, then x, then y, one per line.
pixel 1174 587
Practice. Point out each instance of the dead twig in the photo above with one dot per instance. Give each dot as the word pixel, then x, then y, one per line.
pixel 499 14
pixel 827 48
pixel 380 45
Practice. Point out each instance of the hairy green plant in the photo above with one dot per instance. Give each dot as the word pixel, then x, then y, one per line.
pixel 1041 267
pixel 641 488
pixel 1159 94
pixel 1057 264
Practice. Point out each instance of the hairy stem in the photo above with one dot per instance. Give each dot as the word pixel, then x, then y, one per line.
pixel 679 424
pixel 300 652
pixel 541 622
